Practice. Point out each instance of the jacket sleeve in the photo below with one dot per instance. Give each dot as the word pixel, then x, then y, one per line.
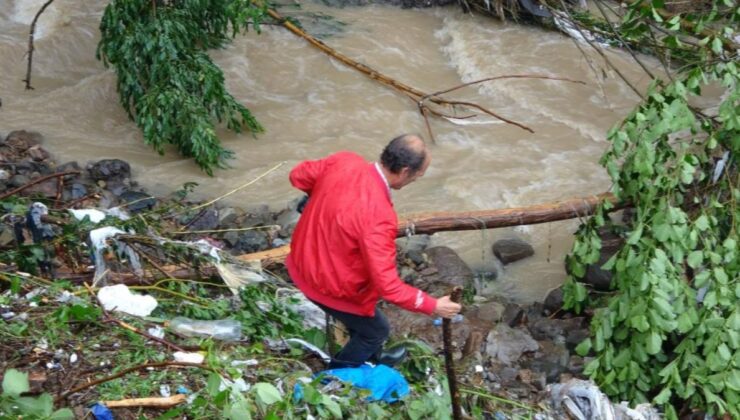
pixel 378 249
pixel 304 175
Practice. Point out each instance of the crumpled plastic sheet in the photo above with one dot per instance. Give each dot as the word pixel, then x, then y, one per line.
pixel 313 316
pixel 96 216
pixel 120 299
pixel 98 238
pixel 583 400
pixel 310 347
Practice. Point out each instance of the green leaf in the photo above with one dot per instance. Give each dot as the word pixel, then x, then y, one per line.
pixel 584 347
pixel 702 223
pixel 653 343
pixel 62 414
pixel 15 383
pixel 663 396
pixel 332 406
pixel 694 259
pixel 267 393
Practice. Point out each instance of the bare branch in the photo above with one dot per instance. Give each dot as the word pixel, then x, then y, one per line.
pixel 30 43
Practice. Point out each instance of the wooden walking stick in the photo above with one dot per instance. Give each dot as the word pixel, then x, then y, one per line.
pixel 455 296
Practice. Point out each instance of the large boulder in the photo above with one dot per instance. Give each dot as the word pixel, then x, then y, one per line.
pixel 507 344
pixel 510 250
pixel 451 269
pixel 22 140
pixel 110 170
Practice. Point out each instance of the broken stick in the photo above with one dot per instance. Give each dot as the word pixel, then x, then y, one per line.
pixel 455 296
pixel 154 402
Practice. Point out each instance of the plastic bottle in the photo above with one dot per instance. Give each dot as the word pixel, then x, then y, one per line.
pixel 222 329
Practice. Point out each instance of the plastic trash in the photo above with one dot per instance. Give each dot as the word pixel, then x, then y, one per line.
pixel 182 390
pixel 583 400
pixel 164 390
pixel 101 412
pixel 184 357
pixel 222 329
pixel 156 331
pixel 120 299
pixel 455 319
pixel 98 238
pixel 310 347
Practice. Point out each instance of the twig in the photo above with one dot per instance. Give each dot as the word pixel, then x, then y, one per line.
pixel 239 188
pixel 108 318
pixel 508 76
pixel 224 230
pixel 154 402
pixel 30 43
pixel 449 362
pixel 124 372
pixel 36 181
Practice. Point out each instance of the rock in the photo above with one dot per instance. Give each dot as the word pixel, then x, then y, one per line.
pixel 507 344
pixel 231 238
pixel 451 269
pixel 287 219
pixel 22 140
pixel 549 329
pixel 47 188
pixel 417 257
pixel 552 360
pixel 411 243
pixel 508 375
pixel 37 153
pixel 7 237
pixel 19 180
pixel 77 191
pixel 136 201
pixel 252 241
pixel 227 217
pixel 510 250
pixel 574 337
pixel 109 170
pixel 554 300
pixel 490 312
pixel 514 315
pixel 473 343
pixel 205 220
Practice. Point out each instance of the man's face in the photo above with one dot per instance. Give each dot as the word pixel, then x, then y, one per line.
pixel 407 177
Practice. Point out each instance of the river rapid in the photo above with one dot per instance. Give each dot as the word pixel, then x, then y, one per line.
pixel 311 105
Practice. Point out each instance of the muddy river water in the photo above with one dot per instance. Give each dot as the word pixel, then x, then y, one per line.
pixel 311 106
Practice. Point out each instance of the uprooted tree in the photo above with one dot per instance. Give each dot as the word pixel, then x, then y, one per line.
pixel 669 332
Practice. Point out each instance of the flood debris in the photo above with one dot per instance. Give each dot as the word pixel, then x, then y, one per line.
pixel 119 298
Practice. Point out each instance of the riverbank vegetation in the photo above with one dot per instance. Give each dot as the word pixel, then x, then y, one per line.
pixel 669 331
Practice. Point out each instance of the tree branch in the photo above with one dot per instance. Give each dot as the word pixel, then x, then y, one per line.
pixel 30 43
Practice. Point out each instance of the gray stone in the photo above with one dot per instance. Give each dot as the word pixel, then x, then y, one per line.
pixel 7 237
pixel 507 344
pixel 554 300
pixel 37 153
pixel 109 170
pixel 78 191
pixel 417 257
pixel 137 201
pixel 231 238
pixel 552 360
pixel 514 315
pixel 22 140
pixel 490 311
pixel 508 375
pixel 252 241
pixel 416 243
pixel 227 217
pixel 574 337
pixel 19 180
pixel 287 219
pixel 510 250
pixel 545 328
pixel 451 269
pixel 205 220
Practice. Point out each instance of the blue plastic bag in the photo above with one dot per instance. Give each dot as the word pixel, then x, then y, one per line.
pixel 101 412
pixel 383 382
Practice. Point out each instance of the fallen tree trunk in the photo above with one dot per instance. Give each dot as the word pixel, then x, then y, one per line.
pixel 428 223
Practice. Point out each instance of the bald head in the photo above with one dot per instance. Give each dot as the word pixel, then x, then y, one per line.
pixel 404 160
pixel 405 151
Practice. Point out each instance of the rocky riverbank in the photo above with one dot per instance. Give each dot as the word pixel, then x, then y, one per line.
pixel 514 352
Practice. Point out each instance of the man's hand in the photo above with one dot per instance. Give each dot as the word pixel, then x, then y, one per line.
pixel 446 308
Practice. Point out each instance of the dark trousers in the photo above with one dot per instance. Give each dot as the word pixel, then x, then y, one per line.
pixel 366 337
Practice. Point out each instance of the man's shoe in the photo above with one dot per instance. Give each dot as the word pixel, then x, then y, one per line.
pixel 392 356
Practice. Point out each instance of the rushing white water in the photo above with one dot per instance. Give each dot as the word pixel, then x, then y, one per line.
pixel 312 105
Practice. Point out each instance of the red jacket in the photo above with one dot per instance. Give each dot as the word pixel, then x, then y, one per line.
pixel 343 251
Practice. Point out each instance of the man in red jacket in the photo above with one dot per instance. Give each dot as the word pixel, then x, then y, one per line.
pixel 343 250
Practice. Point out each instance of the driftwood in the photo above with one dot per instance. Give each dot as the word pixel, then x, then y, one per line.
pixel 428 223
pixel 154 402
